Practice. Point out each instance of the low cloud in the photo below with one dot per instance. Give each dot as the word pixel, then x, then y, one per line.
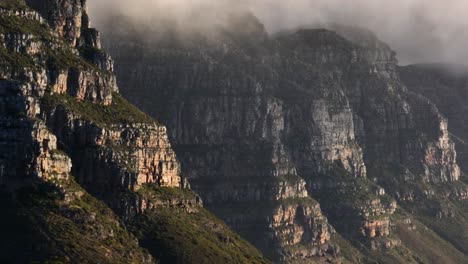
pixel 419 30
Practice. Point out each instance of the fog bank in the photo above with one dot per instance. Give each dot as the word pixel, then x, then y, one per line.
pixel 419 30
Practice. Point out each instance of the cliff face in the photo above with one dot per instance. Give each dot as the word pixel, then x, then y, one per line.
pixel 63 120
pixel 445 85
pixel 400 127
pixel 65 92
pixel 264 124
pixel 49 217
pixel 67 18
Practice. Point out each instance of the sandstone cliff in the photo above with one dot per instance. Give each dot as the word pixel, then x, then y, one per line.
pixel 63 120
pixel 445 85
pixel 263 125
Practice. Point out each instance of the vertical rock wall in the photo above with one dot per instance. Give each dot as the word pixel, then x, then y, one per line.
pixel 250 115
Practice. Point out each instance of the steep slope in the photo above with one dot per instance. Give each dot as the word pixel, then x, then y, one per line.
pixel 63 120
pixel 61 223
pixel 264 125
pixel 235 157
pixel 445 85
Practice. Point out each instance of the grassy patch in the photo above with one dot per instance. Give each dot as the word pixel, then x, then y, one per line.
pixel 54 52
pixel 40 227
pixel 452 229
pixel 16 24
pixel 350 190
pixel 63 58
pixel 425 244
pixel 350 253
pixel 165 193
pixel 119 112
pixel 14 60
pixel 300 201
pixel 179 237
pixel 13 4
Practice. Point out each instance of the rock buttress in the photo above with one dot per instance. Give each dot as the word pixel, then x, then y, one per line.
pixel 62 116
pixel 248 113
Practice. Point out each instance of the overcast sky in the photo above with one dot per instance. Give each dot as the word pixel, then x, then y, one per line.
pixel 419 30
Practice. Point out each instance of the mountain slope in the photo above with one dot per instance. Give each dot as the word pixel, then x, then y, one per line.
pixel 267 126
pixel 73 152
pixel 40 225
pixel 445 85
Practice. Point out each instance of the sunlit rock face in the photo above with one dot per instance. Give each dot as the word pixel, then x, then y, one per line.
pixel 445 86
pixel 258 120
pixel 113 153
pixel 98 174
pixel 67 18
pixel 39 63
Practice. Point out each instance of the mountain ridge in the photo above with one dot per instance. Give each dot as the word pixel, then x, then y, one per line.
pixel 249 116
pixel 82 164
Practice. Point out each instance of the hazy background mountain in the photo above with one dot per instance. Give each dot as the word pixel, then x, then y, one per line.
pixel 419 30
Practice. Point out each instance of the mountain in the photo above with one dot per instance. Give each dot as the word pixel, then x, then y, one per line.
pixel 446 86
pixel 307 143
pixel 85 176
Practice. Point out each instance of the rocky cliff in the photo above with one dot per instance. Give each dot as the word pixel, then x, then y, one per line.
pixel 263 125
pixel 445 85
pixel 62 121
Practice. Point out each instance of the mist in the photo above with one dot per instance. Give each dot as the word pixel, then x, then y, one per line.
pixel 420 31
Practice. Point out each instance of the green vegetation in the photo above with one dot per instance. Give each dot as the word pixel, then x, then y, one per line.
pixel 300 201
pixel 47 224
pixel 426 245
pixel 13 4
pixel 16 24
pixel 40 225
pixel 180 237
pixel 165 193
pixel 16 60
pixel 349 190
pixel 119 112
pixel 452 228
pixel 174 235
pixel 438 211
pixel 441 221
pixel 399 254
pixel 55 53
pixel 350 253
pixel 63 58
pixel 419 244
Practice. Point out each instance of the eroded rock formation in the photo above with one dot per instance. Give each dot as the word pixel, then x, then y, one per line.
pixel 63 119
pixel 134 142
pixel 249 114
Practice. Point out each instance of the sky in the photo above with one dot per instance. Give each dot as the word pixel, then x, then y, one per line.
pixel 420 31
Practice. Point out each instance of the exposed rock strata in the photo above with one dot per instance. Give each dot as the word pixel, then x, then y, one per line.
pixel 246 111
pixel 146 145
pixel 445 86
pixel 58 91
